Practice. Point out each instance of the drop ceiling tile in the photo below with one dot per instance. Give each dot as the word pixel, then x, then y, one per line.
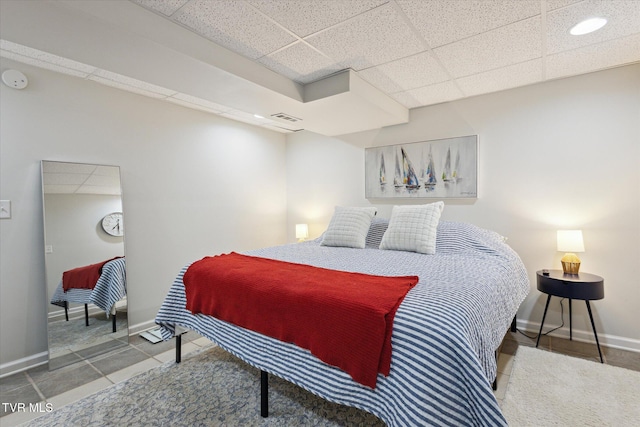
pixel 623 20
pixel 63 167
pixel 522 74
pixel 166 7
pixel 112 171
pixel 593 58
pixel 357 43
pixel 65 178
pixel 406 99
pixel 103 181
pixel 445 21
pixel 512 44
pixel 305 18
pixel 300 63
pixel 435 94
pixel 557 4
pixel 407 73
pixel 235 25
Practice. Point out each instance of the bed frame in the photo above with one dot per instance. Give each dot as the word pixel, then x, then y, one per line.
pixel 264 376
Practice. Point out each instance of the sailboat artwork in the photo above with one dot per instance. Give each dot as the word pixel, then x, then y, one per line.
pixel 411 179
pixel 429 173
pixel 398 178
pixel 447 176
pixel 442 166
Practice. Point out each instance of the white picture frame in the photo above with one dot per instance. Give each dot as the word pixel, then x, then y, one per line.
pixel 437 169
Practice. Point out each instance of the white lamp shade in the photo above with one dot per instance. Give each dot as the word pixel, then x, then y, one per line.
pixel 302 231
pixel 570 241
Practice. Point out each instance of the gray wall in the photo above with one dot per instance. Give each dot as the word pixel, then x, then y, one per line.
pixel 194 184
pixel 562 154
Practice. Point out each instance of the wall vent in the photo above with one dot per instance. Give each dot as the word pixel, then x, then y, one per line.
pixel 285 117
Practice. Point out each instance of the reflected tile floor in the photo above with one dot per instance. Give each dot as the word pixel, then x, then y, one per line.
pixel 69 384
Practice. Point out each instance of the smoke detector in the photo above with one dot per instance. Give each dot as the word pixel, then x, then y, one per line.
pixel 15 79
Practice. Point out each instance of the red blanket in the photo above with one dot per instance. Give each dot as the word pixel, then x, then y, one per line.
pixel 345 319
pixel 83 277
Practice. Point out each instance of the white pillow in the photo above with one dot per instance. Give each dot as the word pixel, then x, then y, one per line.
pixel 349 227
pixel 413 228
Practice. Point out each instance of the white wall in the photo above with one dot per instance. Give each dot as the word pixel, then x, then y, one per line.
pixel 563 154
pixel 194 184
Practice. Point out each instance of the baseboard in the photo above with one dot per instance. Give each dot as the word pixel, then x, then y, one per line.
pixel 141 327
pixel 606 340
pixel 75 312
pixel 23 364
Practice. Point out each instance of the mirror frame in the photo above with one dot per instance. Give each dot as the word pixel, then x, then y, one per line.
pixel 97 344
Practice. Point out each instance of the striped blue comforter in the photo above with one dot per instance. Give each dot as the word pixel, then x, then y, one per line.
pixel 444 337
pixel 110 288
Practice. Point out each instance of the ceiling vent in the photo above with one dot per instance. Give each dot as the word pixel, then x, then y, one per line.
pixel 285 117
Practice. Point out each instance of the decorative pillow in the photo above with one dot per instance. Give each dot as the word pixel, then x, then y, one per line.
pixel 413 228
pixel 376 231
pixel 348 227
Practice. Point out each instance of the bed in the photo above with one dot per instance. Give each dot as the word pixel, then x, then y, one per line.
pixel 445 333
pixel 109 293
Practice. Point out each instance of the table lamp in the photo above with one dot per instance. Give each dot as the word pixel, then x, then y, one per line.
pixel 570 241
pixel 302 232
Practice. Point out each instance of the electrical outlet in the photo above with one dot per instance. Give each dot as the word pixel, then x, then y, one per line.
pixel 5 209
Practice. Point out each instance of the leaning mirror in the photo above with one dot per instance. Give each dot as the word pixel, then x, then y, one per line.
pixel 84 259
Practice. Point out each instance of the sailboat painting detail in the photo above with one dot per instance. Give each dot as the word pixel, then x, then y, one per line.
pixel 443 168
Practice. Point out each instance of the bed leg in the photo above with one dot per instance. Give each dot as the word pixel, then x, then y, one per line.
pixel 86 315
pixel 513 324
pixel 113 322
pixel 66 310
pixel 494 386
pixel 264 394
pixel 178 348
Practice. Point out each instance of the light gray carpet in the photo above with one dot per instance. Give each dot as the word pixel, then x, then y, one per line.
pixel 209 388
pixel 550 389
pixel 214 388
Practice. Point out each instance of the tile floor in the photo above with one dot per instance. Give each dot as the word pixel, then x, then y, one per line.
pixel 68 384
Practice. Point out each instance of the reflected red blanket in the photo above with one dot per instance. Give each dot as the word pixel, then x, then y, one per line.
pixel 345 319
pixel 83 277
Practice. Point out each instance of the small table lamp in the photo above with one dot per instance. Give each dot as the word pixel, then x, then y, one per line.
pixel 570 241
pixel 302 232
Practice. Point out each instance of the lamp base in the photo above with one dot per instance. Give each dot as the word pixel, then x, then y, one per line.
pixel 570 263
pixel 571 267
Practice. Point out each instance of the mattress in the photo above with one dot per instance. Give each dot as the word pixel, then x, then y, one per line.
pixel 445 333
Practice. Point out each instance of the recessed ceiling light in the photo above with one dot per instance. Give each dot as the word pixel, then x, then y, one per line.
pixel 258 116
pixel 588 26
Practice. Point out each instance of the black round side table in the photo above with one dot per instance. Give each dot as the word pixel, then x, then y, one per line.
pixel 582 286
